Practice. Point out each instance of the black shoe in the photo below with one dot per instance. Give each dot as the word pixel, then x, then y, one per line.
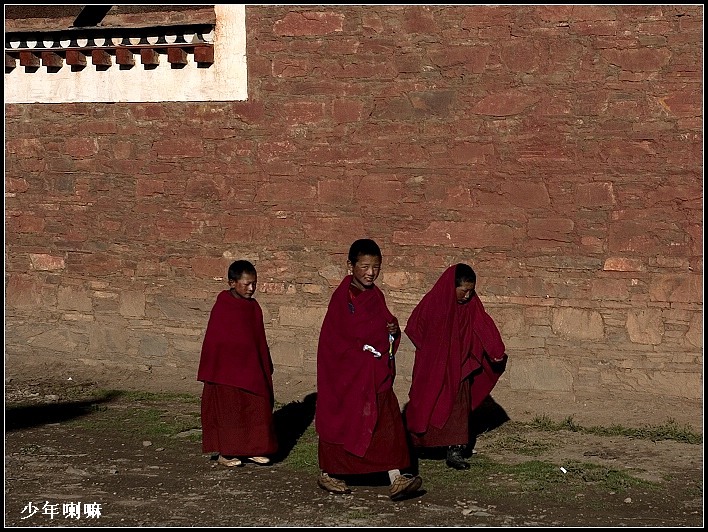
pixel 455 459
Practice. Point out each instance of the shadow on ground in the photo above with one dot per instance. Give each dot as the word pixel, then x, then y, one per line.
pixel 29 416
pixel 291 422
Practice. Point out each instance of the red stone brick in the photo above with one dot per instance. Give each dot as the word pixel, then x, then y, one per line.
pixel 526 194
pixel 174 229
pixel 25 223
pixel 561 13
pixel 343 46
pixel 457 235
pixel 178 148
pixel 556 229
pixel 624 264
pixel 480 16
pixel 506 103
pixel 303 112
pixel 468 152
pixel 640 60
pixel 148 187
pixel 209 267
pixel 309 23
pixel 291 68
pixel 13 185
pixel 347 110
pixel 282 192
pixel 684 103
pixel 335 191
pixel 594 194
pixel 342 229
pixel 44 261
pixel 372 21
pixel 148 111
pixel 272 150
pixel 419 19
pixel 676 288
pixel 81 147
pixel 23 291
pixel 378 189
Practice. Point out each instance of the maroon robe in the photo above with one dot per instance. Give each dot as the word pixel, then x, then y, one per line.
pixel 349 379
pixel 236 369
pixel 452 342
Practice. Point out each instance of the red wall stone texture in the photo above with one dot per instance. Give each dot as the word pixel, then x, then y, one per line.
pixel 556 149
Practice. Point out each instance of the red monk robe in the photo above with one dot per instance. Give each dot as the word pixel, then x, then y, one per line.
pixel 453 343
pixel 358 416
pixel 236 369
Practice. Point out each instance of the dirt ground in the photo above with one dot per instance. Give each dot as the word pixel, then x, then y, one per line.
pixel 70 444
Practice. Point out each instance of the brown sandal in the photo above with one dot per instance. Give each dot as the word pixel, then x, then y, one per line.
pixel 229 462
pixel 333 485
pixel 404 486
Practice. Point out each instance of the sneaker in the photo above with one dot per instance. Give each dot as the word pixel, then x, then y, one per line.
pixel 228 462
pixel 404 485
pixel 333 485
pixel 455 459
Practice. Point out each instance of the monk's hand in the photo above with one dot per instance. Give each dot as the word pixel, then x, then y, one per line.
pixel 393 328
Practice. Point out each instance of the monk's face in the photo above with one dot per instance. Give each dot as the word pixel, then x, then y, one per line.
pixel 365 271
pixel 244 287
pixel 464 292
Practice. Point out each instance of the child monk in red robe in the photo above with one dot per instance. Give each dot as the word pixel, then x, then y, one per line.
pixel 459 358
pixel 358 417
pixel 237 372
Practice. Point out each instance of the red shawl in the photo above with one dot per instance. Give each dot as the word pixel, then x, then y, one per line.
pixel 235 351
pixel 452 341
pixel 348 378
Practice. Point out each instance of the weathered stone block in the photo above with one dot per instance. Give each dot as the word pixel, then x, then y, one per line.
pixel 645 326
pixel 72 298
pixel 576 323
pixel 132 304
pixel 302 317
pixel 44 261
pixel 539 373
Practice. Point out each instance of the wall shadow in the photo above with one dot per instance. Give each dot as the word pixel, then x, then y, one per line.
pixel 27 416
pixel 291 422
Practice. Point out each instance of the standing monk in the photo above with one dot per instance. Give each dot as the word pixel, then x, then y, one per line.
pixel 358 417
pixel 237 372
pixel 458 360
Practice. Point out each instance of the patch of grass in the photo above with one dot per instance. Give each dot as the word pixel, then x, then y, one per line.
pixel 140 422
pixel 530 477
pixel 131 395
pixel 667 431
pixel 139 414
pixel 545 423
pixel 521 445
pixel 303 457
pixel 436 475
pixel 542 476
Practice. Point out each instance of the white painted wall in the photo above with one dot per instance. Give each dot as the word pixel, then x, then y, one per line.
pixel 225 80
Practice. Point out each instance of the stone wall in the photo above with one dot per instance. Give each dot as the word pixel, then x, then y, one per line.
pixel 556 149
